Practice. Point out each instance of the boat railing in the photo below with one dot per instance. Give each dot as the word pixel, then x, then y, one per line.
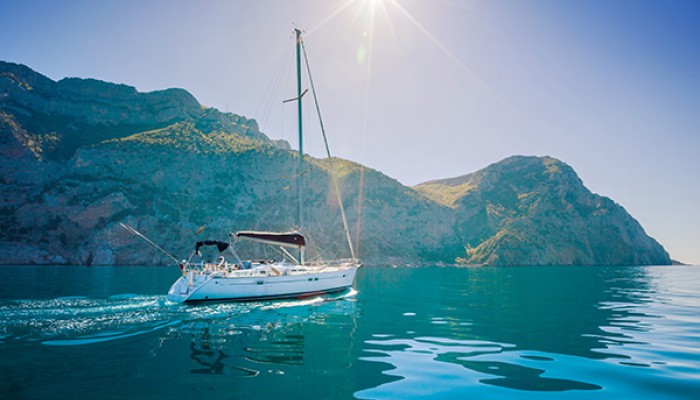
pixel 248 268
pixel 337 263
pixel 261 267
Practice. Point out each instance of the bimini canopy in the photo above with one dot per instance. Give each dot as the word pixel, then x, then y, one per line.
pixel 287 239
pixel 221 246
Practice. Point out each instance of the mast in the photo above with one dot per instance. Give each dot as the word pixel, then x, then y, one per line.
pixel 301 142
pixel 299 48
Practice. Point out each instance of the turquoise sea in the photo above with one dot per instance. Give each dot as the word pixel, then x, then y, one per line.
pixel 401 333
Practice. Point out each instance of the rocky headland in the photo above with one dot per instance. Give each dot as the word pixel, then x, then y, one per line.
pixel 81 156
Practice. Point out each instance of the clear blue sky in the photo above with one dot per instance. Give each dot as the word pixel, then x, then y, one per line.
pixel 423 89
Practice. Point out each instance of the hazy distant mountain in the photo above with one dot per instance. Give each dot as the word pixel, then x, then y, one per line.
pixel 79 156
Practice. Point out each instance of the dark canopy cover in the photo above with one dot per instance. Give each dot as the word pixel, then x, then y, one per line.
pixel 221 246
pixel 290 239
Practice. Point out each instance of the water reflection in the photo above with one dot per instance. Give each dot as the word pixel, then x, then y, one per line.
pixel 525 329
pixel 289 349
pixel 242 348
pixel 409 333
pixel 268 337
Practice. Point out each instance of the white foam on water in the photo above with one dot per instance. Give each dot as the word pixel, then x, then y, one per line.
pixel 99 338
pixel 78 320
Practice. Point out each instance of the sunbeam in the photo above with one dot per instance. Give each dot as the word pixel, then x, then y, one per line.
pixel 330 17
pixel 437 43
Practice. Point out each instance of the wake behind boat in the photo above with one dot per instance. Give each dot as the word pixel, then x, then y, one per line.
pixel 263 279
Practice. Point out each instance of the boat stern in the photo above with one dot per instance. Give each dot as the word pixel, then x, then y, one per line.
pixel 181 290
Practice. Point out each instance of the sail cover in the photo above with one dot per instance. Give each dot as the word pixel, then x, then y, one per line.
pixel 221 246
pixel 288 239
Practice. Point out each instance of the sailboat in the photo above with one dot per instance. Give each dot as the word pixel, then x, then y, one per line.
pixel 269 279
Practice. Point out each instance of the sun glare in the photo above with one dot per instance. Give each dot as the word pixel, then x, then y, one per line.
pixel 371 16
pixel 375 13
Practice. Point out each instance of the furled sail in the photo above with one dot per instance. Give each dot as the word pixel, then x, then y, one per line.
pixel 288 239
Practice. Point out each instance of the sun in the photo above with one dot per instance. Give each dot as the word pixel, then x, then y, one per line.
pixel 375 5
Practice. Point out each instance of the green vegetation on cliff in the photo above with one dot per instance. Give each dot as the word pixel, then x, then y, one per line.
pixel 79 157
pixel 536 211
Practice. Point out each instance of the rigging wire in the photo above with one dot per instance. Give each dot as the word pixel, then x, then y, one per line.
pixel 264 108
pixel 147 240
pixel 279 83
pixel 328 152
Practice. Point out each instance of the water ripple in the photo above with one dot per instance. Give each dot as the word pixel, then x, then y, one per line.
pixel 461 364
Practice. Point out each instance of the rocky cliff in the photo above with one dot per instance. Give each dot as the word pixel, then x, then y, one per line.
pixel 536 211
pixel 62 116
pixel 81 156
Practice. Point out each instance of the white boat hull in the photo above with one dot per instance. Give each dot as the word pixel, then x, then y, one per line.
pixel 260 285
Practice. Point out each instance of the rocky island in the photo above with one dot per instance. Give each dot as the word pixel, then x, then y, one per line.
pixel 81 156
